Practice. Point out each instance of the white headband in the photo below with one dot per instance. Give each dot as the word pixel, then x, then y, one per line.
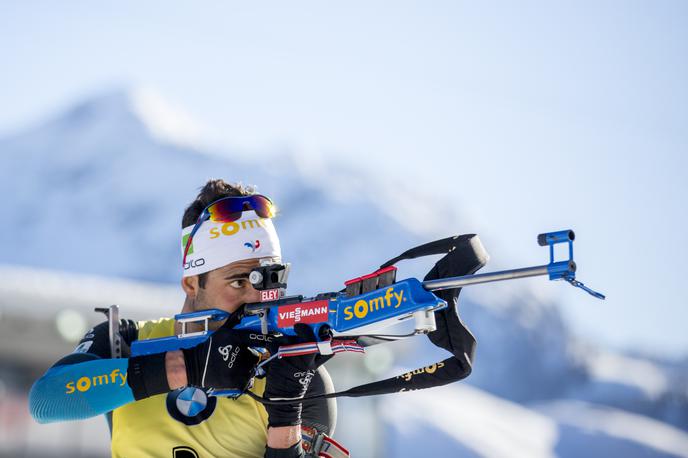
pixel 215 245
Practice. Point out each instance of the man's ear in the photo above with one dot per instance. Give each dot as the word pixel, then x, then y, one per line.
pixel 190 285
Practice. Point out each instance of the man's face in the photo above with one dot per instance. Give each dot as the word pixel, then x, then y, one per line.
pixel 227 288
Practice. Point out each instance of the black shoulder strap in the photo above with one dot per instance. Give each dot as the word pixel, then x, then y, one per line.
pixel 465 256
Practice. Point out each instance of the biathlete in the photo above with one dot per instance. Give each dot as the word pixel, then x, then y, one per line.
pixel 162 404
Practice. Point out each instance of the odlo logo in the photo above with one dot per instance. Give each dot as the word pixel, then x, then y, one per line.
pixel 191 262
pixel 194 263
pixel 228 354
pixel 304 377
pixel 362 308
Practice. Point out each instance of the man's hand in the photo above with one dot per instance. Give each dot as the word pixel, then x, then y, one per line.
pixel 224 361
pixel 289 377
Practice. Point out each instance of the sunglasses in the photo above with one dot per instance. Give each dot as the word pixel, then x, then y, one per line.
pixel 230 209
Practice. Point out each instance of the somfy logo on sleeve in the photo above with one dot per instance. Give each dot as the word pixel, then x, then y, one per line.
pixel 87 382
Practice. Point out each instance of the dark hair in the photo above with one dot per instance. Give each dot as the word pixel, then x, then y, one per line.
pixel 209 193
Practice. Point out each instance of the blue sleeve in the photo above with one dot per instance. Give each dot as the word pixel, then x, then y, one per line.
pixel 74 391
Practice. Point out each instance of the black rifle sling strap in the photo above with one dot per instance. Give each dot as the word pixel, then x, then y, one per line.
pixel 465 257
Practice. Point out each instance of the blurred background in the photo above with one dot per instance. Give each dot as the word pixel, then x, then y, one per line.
pixel 375 126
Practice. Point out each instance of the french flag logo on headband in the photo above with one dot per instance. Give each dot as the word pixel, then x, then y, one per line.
pixel 253 246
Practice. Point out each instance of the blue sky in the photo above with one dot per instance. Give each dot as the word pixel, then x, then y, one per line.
pixel 532 116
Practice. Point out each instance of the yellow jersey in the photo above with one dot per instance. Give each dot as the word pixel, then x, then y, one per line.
pixel 185 423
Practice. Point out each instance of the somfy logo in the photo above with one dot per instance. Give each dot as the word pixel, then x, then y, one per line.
pixel 229 229
pixel 86 382
pixel 362 308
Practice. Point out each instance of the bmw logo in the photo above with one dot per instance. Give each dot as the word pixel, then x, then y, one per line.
pixel 190 405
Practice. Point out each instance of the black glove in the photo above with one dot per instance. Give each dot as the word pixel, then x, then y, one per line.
pixel 289 377
pixel 224 361
pixel 147 376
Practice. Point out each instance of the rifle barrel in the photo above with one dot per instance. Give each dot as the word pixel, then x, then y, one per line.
pixel 466 280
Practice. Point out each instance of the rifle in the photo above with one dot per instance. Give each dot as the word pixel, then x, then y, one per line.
pixel 338 319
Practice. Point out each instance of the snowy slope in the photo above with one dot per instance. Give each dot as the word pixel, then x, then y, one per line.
pixel 468 422
pixel 533 357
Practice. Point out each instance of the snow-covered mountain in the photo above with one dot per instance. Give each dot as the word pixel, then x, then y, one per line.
pixel 100 189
